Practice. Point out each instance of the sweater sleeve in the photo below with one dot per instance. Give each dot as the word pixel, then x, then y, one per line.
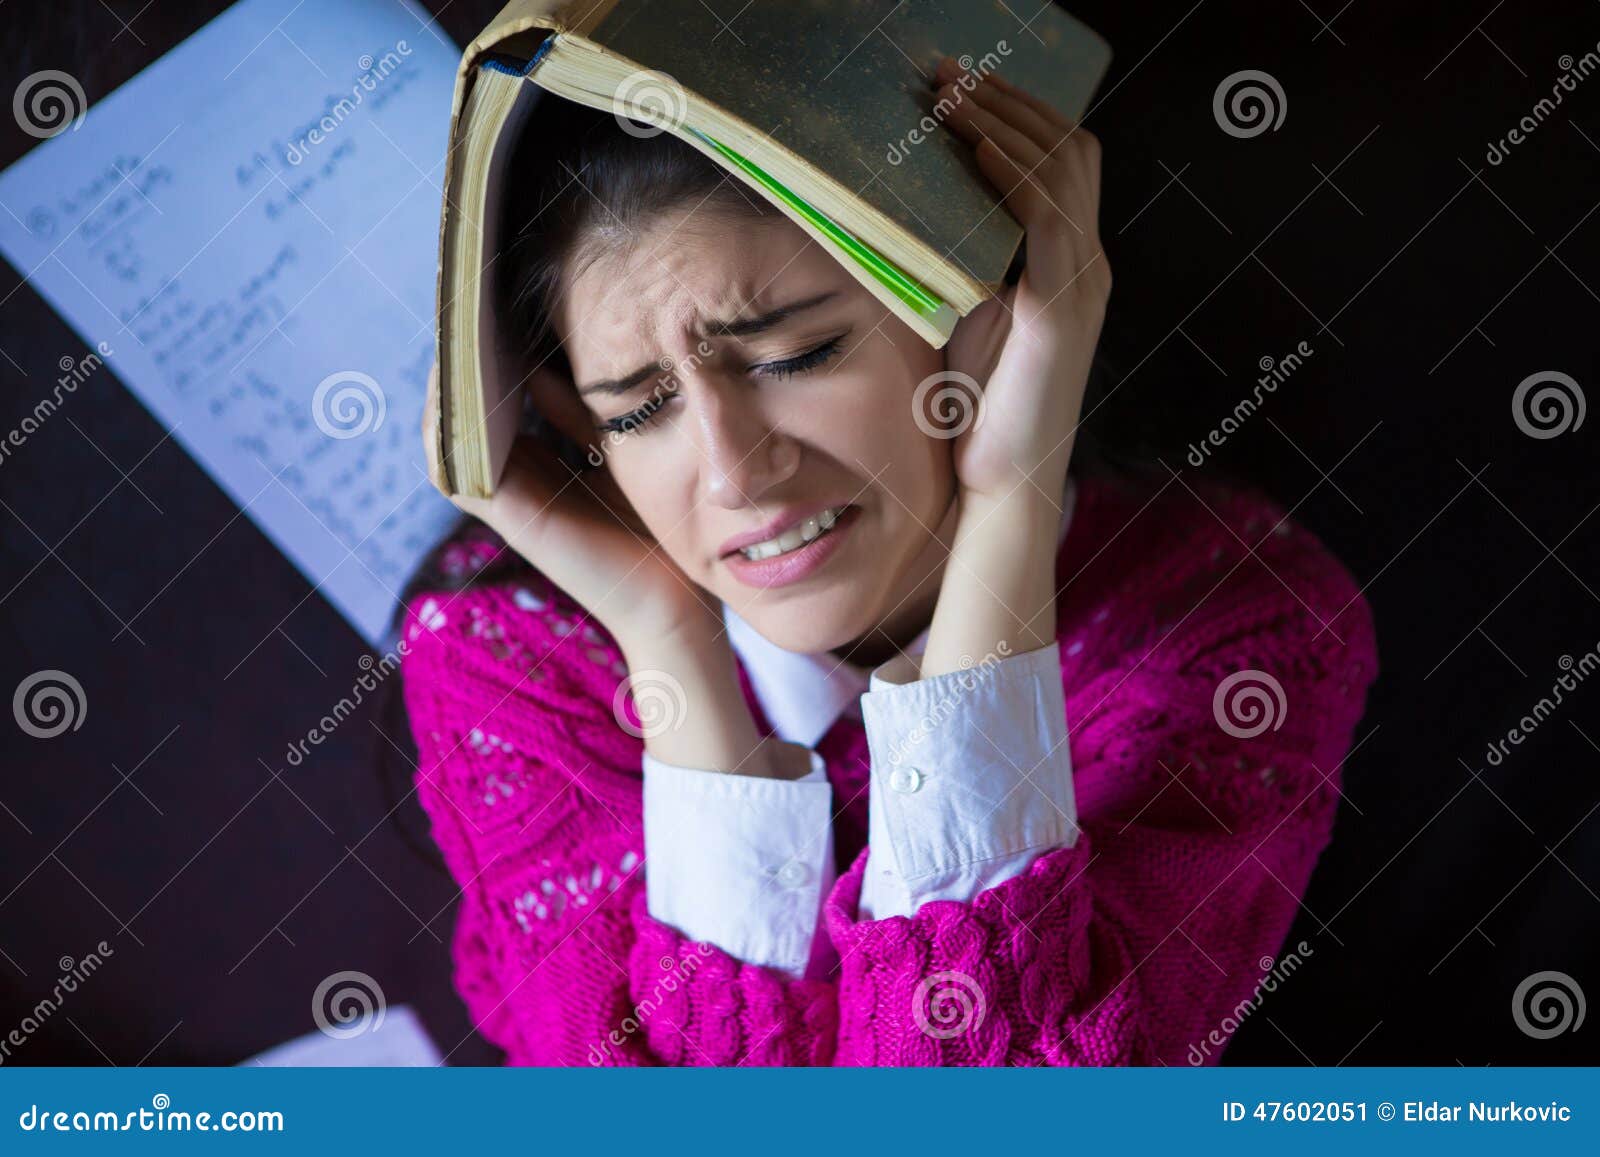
pixel 533 793
pixel 1207 760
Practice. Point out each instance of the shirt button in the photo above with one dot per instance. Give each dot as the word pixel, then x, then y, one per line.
pixel 905 780
pixel 793 875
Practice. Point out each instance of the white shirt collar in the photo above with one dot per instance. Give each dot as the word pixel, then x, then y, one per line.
pixel 804 694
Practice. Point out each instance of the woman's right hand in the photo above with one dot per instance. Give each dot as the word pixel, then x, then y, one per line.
pixel 580 531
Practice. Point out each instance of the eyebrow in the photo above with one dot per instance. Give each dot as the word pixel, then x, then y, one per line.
pixel 738 327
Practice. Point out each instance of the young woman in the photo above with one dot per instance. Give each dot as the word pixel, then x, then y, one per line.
pixel 829 724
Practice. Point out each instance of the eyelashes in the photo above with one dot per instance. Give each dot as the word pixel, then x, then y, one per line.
pixel 801 363
pixel 635 420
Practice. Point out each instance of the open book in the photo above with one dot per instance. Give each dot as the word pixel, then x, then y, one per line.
pixel 821 106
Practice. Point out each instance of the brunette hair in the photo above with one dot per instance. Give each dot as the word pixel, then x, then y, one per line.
pixel 585 183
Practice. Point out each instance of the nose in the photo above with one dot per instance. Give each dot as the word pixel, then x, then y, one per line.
pixel 743 454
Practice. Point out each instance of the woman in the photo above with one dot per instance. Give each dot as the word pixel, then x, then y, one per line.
pixel 828 725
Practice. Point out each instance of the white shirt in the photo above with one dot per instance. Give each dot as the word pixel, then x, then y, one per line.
pixel 970 780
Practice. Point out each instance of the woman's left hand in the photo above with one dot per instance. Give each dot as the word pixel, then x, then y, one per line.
pixel 1029 350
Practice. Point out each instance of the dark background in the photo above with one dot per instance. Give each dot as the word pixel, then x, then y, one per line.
pixel 1428 282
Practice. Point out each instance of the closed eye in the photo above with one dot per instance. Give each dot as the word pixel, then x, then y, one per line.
pixel 635 420
pixel 800 363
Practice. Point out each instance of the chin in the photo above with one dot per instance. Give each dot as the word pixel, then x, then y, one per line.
pixel 807 627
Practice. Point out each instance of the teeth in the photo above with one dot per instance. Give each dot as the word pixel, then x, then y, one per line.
pixel 795 537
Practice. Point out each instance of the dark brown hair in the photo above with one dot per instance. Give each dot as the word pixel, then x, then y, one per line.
pixel 584 185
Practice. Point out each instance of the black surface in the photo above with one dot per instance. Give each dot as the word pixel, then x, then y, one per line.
pixel 1429 283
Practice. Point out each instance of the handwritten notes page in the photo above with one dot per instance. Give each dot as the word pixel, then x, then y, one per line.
pixel 250 226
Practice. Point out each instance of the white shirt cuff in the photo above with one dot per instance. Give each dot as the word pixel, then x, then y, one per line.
pixel 971 778
pixel 743 862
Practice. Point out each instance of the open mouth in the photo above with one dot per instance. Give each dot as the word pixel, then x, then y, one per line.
pixel 804 531
pixel 795 553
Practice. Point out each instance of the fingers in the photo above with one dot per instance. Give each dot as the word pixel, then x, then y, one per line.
pixel 972 122
pixel 1041 160
pixel 1022 192
pixel 1043 109
pixel 1046 128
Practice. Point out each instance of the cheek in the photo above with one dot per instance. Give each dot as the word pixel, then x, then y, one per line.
pixel 660 488
pixel 876 426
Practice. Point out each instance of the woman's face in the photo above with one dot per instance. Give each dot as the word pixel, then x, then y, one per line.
pixel 755 382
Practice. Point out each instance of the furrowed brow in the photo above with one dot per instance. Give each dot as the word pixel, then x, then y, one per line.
pixel 737 327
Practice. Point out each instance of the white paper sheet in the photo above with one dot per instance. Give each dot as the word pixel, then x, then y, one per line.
pixel 250 225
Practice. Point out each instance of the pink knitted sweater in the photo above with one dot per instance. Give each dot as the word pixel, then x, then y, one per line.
pixel 1215 660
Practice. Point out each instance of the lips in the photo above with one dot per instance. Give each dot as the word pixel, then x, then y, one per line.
pixel 786 519
pixel 795 565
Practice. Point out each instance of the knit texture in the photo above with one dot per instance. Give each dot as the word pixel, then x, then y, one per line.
pixel 1215 660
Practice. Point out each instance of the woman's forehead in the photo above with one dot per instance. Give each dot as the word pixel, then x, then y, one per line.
pixel 682 285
